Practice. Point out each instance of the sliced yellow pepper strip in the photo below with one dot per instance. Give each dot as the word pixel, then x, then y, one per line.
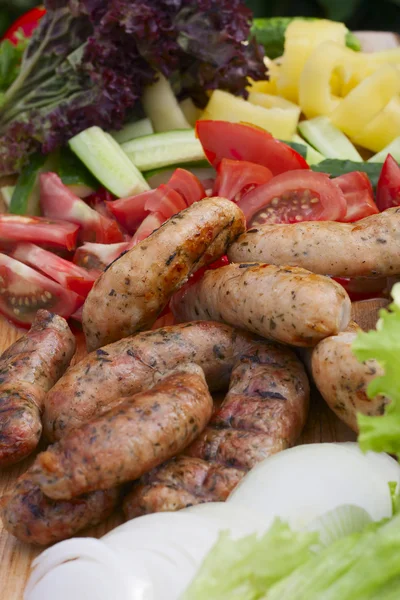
pixel 301 38
pixel 383 128
pixel 366 100
pixel 329 62
pixel 286 113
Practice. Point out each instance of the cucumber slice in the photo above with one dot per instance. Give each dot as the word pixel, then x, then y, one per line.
pixel 162 108
pixel 105 158
pixel 26 197
pixel 133 130
pixel 393 148
pixel 159 176
pixel 6 193
pixel 313 157
pixel 75 175
pixel 328 140
pixel 164 149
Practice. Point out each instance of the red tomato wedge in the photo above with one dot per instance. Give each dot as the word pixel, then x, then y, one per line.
pixel 357 190
pixel 58 201
pixel 293 197
pixel 152 222
pixel 363 288
pixel 166 201
pixel 388 189
pixel 98 256
pixel 236 177
pixel 67 274
pixel 53 233
pixel 187 185
pixel 238 141
pixel 27 23
pixel 23 291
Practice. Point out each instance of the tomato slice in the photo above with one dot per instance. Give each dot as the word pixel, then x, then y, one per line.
pixel 236 177
pixel 187 185
pixel 70 276
pixel 357 190
pixel 57 201
pixel 24 291
pixel 363 288
pixel 388 189
pixel 15 228
pixel 98 256
pixel 293 197
pixel 152 222
pixel 27 23
pixel 239 141
pixel 166 201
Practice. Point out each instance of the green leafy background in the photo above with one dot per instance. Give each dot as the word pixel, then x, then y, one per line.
pixel 358 14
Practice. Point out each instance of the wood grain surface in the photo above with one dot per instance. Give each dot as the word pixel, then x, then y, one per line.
pixel 322 425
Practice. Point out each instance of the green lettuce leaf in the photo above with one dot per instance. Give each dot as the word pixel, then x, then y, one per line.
pixel 244 569
pixel 382 434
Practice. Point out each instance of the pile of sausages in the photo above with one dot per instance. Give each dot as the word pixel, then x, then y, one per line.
pixel 134 421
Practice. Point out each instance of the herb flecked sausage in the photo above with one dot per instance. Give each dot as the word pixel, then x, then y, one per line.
pixel 131 439
pixel 286 304
pixel 28 369
pixel 135 288
pixel 35 519
pixel 342 380
pixel 367 248
pixel 134 364
pixel 264 412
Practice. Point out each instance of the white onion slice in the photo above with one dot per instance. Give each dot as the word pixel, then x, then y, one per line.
pixel 238 519
pixel 385 466
pixel 302 483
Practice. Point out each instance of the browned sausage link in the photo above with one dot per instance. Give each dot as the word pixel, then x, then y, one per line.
pixel 133 364
pixel 134 289
pixel 33 518
pixel 367 248
pixel 182 482
pixel 263 413
pixel 28 369
pixel 342 380
pixel 286 304
pixel 129 440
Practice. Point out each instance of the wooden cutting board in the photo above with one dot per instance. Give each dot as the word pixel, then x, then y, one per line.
pixel 322 425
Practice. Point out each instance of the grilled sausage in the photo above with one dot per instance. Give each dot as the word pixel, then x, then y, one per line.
pixel 35 519
pixel 28 369
pixel 263 413
pixel 134 437
pixel 132 365
pixel 286 304
pixel 366 248
pixel 134 289
pixel 342 380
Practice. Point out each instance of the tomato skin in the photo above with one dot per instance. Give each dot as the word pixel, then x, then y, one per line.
pixel 166 201
pixel 66 273
pixel 27 23
pixel 24 291
pixel 236 177
pixel 93 256
pixel 359 195
pixel 57 201
pixel 152 222
pixel 238 141
pixel 187 185
pixel 330 207
pixel 15 228
pixel 388 188
pixel 363 288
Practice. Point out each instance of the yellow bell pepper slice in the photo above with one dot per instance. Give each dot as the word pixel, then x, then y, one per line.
pixel 366 100
pixel 270 86
pixel 301 38
pixel 286 113
pixel 226 107
pixel 330 65
pixel 383 128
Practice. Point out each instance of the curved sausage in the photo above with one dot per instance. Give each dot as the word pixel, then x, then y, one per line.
pixel 342 380
pixel 264 412
pixel 134 289
pixel 28 369
pixel 286 304
pixel 137 435
pixel 366 248
pixel 33 518
pixel 133 364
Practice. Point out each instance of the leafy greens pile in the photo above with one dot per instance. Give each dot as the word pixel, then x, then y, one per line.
pixel 89 61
